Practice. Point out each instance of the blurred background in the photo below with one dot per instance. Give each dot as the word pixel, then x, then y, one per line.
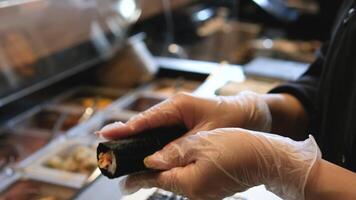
pixel 69 67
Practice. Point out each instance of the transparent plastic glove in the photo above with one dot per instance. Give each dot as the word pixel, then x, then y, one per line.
pixel 215 164
pixel 246 110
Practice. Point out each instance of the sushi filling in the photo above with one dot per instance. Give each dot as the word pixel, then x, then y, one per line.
pixel 107 161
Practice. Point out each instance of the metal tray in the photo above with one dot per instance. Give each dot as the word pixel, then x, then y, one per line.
pixel 22 188
pixel 52 119
pixel 39 169
pixel 16 146
pixel 54 135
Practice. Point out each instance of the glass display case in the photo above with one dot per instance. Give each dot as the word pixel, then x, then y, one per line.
pixel 42 41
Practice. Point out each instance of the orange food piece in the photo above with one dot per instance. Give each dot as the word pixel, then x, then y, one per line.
pixel 105 160
pixel 99 103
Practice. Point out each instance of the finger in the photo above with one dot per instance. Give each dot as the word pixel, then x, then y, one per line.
pixel 114 130
pixel 178 153
pixel 163 114
pixel 166 113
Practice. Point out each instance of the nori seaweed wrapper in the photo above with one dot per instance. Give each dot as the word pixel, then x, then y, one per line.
pixel 131 151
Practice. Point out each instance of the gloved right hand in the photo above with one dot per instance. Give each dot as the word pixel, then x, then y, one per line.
pixel 246 110
pixel 211 165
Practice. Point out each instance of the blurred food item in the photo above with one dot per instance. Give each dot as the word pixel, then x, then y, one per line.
pixel 77 159
pixel 154 7
pixel 287 49
pixel 306 6
pixel 260 86
pixel 53 120
pixel 18 52
pixel 215 24
pixel 171 87
pixel 15 147
pixel 36 190
pixel 230 43
pixel 132 66
pixel 97 102
pixel 91 97
pixel 144 102
pixel 8 155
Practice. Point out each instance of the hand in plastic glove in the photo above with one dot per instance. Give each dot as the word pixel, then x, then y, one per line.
pixel 215 164
pixel 246 110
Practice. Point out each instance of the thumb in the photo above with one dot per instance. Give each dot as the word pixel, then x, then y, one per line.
pixel 178 162
pixel 178 153
pixel 163 114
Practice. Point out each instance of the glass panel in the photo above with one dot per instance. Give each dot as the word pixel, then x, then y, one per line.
pixel 41 39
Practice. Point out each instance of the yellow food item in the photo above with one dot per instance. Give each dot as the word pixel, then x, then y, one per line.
pixel 80 159
pixel 99 103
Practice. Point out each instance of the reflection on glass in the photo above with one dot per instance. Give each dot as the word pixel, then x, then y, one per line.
pixel 42 40
pixel 128 9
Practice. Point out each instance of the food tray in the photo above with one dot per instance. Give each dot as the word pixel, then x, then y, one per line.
pixel 51 119
pixel 16 146
pixel 95 97
pixel 28 189
pixel 60 165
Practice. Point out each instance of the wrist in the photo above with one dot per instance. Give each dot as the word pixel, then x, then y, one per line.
pixel 256 111
pixel 289 116
pixel 311 187
pixel 291 166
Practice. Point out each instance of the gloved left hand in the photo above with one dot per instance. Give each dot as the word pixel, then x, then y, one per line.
pixel 215 164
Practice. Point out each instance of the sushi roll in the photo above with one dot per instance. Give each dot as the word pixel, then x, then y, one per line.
pixel 125 156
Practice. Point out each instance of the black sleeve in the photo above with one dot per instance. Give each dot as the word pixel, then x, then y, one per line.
pixel 305 88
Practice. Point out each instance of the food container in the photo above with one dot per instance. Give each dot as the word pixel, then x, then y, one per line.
pixel 89 97
pixel 17 146
pixel 54 120
pixel 76 159
pixel 143 101
pixel 170 87
pixel 70 163
pixel 28 189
